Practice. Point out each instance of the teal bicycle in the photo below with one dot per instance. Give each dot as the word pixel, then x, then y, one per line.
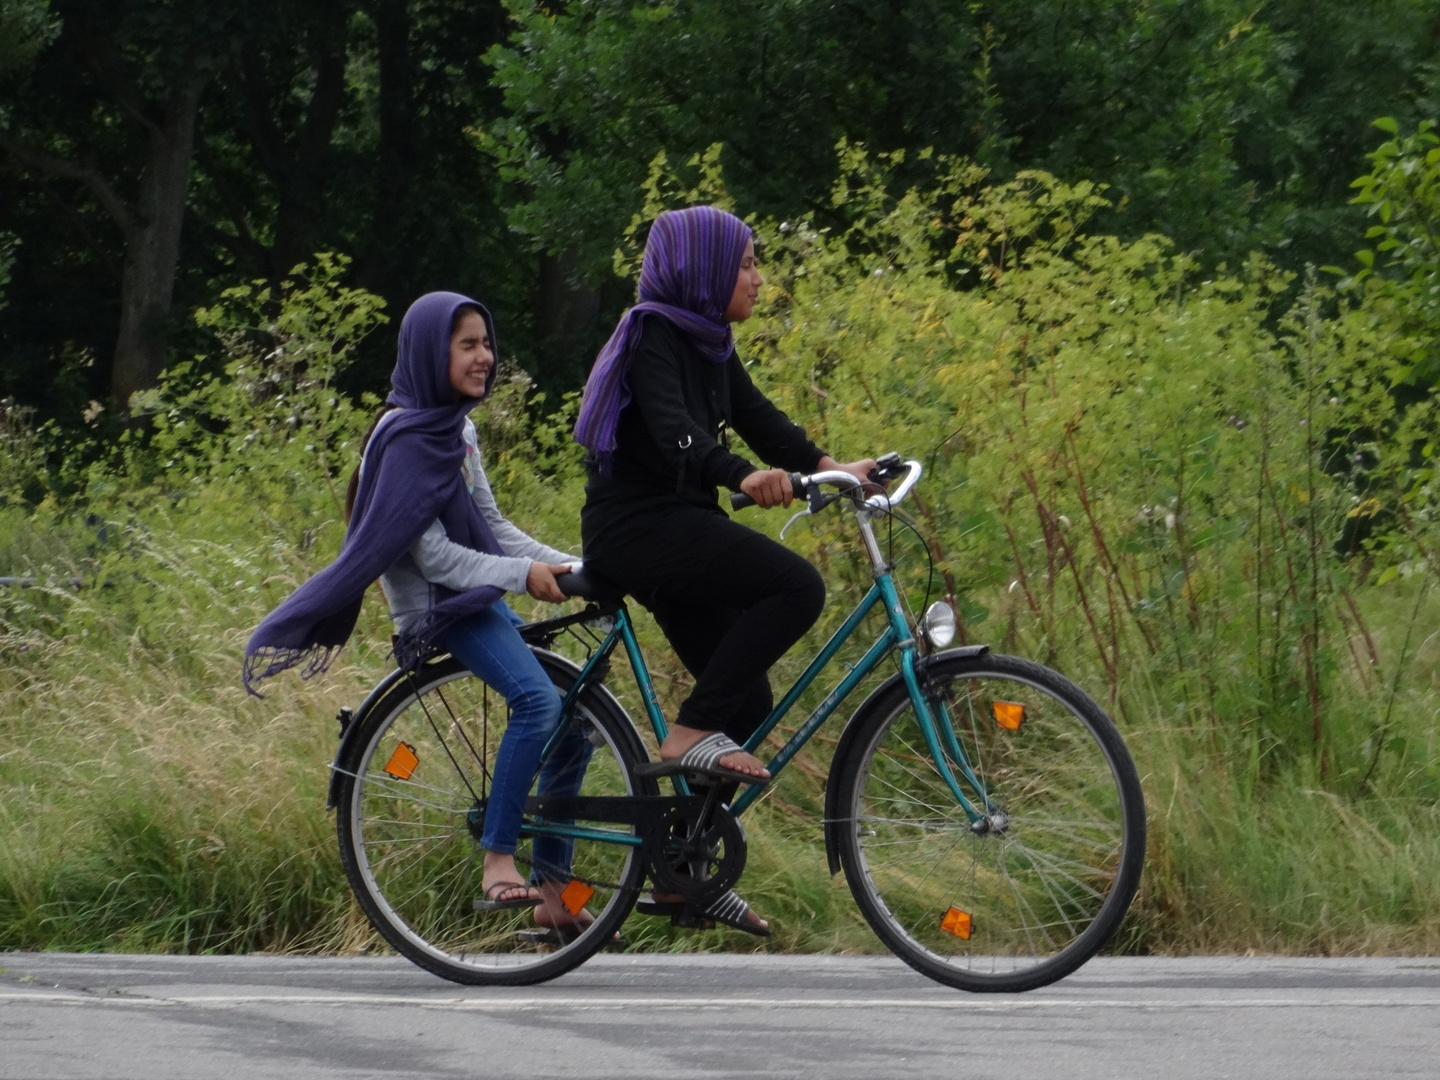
pixel 985 811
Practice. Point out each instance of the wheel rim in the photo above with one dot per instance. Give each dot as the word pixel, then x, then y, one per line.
pixel 415 836
pixel 1038 884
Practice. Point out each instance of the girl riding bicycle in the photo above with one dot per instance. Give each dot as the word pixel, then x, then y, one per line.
pixel 663 394
pixel 422 518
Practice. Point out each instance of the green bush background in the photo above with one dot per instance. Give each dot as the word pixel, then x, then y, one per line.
pixel 1210 505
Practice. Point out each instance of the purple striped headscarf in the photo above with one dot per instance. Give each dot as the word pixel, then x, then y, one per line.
pixel 692 259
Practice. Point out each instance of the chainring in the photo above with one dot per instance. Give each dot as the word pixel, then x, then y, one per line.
pixel 699 859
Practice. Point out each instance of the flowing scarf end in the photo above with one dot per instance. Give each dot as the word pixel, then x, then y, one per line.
pixel 270 660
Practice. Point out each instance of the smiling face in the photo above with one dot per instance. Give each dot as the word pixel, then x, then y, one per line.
pixel 471 357
pixel 747 287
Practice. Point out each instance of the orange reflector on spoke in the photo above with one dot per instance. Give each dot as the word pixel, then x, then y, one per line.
pixel 402 762
pixel 1008 714
pixel 575 896
pixel 958 922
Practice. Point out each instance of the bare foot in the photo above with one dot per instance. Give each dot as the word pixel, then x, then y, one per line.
pixel 552 911
pixel 567 925
pixel 681 739
pixel 500 870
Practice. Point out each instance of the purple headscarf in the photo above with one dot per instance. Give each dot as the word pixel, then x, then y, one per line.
pixel 412 476
pixel 692 258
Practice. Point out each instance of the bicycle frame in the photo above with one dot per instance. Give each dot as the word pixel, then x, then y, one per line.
pixel 899 634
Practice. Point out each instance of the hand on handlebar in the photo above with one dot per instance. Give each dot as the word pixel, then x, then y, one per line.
pixel 770 487
pixel 862 470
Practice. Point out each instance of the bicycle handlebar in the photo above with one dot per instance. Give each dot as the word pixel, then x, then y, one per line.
pixel 890 467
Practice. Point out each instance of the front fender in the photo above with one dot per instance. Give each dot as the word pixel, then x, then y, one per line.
pixel 846 746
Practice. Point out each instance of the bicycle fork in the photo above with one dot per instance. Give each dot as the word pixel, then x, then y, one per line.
pixel 936 725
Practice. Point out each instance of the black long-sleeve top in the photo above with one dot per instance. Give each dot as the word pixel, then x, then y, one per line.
pixel 670 446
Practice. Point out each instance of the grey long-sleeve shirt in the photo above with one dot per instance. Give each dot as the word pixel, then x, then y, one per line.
pixel 435 559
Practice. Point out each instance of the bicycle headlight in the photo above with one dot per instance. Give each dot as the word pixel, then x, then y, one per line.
pixel 939 624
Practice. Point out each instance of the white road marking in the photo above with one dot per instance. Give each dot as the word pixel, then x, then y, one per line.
pixel 1427 999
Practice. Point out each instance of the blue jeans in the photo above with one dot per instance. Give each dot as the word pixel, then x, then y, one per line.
pixel 489 645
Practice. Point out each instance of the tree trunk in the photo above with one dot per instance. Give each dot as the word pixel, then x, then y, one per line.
pixel 565 316
pixel 396 159
pixel 306 172
pixel 152 249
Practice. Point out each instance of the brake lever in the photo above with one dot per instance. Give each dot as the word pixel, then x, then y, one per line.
pixel 816 501
pixel 803 513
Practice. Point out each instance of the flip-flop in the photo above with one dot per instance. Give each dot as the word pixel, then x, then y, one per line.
pixel 489 904
pixel 727 908
pixel 703 759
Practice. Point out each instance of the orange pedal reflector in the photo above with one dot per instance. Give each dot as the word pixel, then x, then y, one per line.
pixel 958 922
pixel 1008 714
pixel 575 896
pixel 402 762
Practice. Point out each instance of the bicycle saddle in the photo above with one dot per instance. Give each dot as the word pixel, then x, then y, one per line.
pixel 588 585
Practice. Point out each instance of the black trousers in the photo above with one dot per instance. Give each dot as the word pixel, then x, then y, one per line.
pixel 728 620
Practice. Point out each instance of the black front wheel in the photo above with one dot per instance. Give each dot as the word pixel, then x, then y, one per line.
pixel 1032 887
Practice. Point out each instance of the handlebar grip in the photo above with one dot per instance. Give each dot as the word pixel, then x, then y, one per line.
pixel 739 500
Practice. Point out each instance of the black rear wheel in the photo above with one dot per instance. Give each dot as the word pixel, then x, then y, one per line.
pixel 410 811
pixel 1032 888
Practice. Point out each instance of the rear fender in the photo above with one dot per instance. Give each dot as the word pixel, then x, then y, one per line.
pixel 349 731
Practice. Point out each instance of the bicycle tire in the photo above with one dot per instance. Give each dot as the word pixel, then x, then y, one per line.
pixel 409 839
pixel 1030 900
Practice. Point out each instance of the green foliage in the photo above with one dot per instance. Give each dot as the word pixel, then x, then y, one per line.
pixel 277 409
pixel 22 461
pixel 26 27
pixel 1226 126
pixel 1402 194
pixel 353 126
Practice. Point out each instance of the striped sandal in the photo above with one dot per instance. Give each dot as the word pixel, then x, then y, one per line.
pixel 727 908
pixel 703 759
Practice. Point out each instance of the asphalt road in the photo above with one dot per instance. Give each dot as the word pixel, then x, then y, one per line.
pixel 114 1017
